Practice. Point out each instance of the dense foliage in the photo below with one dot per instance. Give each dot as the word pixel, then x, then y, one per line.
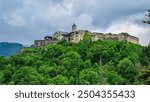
pixel 7 49
pixel 83 63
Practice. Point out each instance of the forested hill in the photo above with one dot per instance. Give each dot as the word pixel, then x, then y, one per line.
pixel 83 63
pixel 7 49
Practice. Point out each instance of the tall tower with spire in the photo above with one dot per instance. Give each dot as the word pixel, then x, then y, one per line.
pixel 74 27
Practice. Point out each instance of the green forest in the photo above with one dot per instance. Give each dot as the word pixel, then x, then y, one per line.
pixel 85 63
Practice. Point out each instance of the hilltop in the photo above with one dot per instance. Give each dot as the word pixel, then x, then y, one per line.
pixel 76 36
pixel 98 62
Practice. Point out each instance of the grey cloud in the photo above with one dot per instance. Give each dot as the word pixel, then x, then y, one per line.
pixel 28 20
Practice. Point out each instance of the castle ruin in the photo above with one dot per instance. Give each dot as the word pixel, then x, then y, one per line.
pixel 78 35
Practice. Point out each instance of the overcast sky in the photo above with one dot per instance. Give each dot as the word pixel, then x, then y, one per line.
pixel 24 21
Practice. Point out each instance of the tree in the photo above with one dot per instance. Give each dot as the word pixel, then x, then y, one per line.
pixel 127 70
pixel 87 38
pixel 60 80
pixel 89 77
pixel 144 75
pixel 1 78
pixel 3 62
pixel 114 78
pixel 147 51
pixel 102 72
pixel 73 63
pixel 145 60
pixel 26 76
pixel 148 15
pixel 7 75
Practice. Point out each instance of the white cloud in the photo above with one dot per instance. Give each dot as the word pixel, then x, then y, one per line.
pixel 84 21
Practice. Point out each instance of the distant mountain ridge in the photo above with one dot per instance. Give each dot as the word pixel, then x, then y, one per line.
pixel 7 49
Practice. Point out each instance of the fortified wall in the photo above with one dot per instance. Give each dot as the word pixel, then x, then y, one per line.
pixel 47 40
pixel 78 35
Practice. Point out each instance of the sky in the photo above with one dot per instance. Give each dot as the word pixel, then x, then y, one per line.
pixel 24 21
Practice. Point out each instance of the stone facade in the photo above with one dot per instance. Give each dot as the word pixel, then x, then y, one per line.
pixel 78 35
pixel 118 37
pixel 47 40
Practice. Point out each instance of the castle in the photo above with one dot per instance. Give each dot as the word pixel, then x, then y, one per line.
pixel 78 35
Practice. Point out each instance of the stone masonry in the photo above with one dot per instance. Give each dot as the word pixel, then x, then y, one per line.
pixel 78 35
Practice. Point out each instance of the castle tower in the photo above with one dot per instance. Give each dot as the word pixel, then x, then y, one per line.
pixel 74 27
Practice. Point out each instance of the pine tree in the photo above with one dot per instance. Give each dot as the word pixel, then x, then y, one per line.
pixel 148 15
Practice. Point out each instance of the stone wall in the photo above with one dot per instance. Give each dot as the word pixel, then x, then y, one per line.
pixel 39 43
pixel 78 35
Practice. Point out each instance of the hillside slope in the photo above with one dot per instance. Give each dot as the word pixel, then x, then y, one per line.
pixel 7 49
pixel 83 63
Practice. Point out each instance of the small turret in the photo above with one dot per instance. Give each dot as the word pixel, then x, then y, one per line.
pixel 74 27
